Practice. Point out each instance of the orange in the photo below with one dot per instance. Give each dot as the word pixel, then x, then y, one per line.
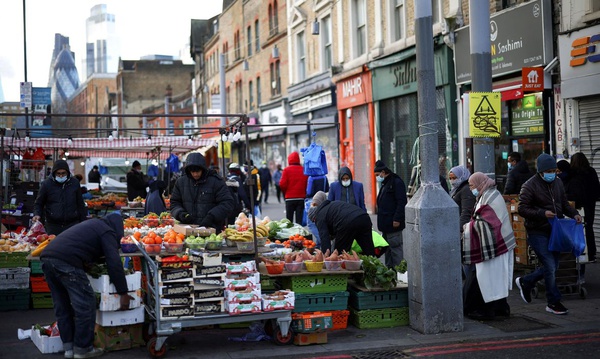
pixel 151 234
pixel 137 235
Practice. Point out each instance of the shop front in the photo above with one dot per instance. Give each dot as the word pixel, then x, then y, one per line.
pixel 395 97
pixel 357 131
pixel 521 42
pixel 273 138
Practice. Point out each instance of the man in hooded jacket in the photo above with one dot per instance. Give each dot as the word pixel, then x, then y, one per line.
pixel 518 173
pixel 201 195
pixel 293 184
pixel 59 203
pixel 347 189
pixel 64 262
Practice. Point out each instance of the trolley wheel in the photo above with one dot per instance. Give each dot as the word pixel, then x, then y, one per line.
pixel 535 292
pixel 279 339
pixel 152 350
pixel 582 292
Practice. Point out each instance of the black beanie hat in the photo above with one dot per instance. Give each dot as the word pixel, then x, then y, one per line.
pixel 380 166
pixel 545 162
pixel 136 164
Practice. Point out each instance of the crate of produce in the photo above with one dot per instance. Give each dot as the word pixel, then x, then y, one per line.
pixel 14 278
pixel 320 283
pixel 379 318
pixel 46 344
pixel 41 300
pixel 362 300
pixel 339 319
pixel 14 299
pixel 13 259
pixel 321 302
pixel 36 267
pixel 39 284
pixel 311 322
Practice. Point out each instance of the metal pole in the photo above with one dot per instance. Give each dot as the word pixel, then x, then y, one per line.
pixel 223 99
pixel 432 244
pixel 25 58
pixel 481 68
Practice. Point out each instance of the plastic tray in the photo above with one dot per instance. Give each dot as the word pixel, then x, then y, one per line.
pixel 39 284
pixel 13 259
pixel 36 267
pixel 41 300
pixel 377 300
pixel 321 302
pixel 379 318
pixel 318 283
pixel 14 278
pixel 339 319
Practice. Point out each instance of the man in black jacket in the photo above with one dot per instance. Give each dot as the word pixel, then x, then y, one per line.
pixel 136 182
pixel 201 195
pixel 542 198
pixel 391 201
pixel 343 222
pixel 518 173
pixel 64 262
pixel 59 203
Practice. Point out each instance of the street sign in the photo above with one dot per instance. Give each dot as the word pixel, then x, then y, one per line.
pixel 26 94
pixel 484 114
pixel 533 79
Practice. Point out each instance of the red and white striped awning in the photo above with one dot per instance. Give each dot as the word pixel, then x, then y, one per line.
pixel 138 147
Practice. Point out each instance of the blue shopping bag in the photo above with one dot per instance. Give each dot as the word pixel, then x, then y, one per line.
pixel 566 236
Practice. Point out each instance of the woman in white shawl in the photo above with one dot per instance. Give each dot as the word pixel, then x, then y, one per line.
pixel 488 245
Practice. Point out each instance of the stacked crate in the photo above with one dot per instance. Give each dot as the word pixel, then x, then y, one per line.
pixel 523 253
pixel 208 287
pixel 14 281
pixel 175 288
pixel 378 308
pixel 243 291
pixel 40 293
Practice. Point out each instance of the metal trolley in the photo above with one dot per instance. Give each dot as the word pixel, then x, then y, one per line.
pixel 159 328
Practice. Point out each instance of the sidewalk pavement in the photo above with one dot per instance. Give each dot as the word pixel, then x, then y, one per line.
pixel 527 320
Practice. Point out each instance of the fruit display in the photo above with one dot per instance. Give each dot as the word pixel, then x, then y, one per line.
pixel 166 219
pixel 152 243
pixel 151 220
pixel 235 235
pixel 197 242
pixel 128 245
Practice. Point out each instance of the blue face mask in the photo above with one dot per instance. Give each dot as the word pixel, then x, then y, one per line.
pixel 475 192
pixel 379 179
pixel 61 179
pixel 549 177
pixel 510 166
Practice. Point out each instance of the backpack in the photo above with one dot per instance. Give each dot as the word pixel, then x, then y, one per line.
pixel 233 183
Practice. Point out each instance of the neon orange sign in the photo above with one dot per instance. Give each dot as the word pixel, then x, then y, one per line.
pixel 584 49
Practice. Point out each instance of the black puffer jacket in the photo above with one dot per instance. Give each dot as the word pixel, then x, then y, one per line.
pixel 391 201
pixel 208 201
pixel 516 177
pixel 333 217
pixel 85 243
pixel 60 203
pixel 466 202
pixel 538 196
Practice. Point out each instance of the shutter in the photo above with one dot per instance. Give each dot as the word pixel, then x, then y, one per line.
pixel 589 133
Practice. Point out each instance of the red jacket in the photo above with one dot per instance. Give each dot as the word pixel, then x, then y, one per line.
pixel 293 180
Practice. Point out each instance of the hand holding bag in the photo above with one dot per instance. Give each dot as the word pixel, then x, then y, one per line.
pixel 566 236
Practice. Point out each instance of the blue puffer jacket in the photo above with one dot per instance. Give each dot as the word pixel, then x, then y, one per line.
pixel 208 201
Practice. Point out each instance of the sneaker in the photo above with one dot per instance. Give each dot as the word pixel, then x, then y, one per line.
pixel 525 292
pixel 69 354
pixel 96 352
pixel 557 308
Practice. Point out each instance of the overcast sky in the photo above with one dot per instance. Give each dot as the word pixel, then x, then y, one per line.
pixel 144 27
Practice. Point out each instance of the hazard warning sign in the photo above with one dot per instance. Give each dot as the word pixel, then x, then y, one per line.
pixel 484 114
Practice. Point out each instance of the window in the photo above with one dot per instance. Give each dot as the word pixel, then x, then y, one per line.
pixel 275 78
pixel 258 92
pixel 273 19
pixel 188 125
pixel 436 11
pixel 326 51
pixel 226 53
pixel 251 94
pixel 238 96
pixel 171 126
pixel 237 45
pixel 360 27
pixel 256 37
pixel 398 20
pixel 301 56
pixel 249 37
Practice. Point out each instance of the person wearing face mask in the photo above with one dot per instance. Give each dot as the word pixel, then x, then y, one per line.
pixel 59 203
pixel 347 189
pixel 461 194
pixel 488 252
pixel 518 173
pixel 391 201
pixel 543 197
pixel 136 182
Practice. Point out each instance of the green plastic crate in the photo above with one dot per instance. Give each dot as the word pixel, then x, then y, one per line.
pixel 378 300
pixel 41 300
pixel 13 259
pixel 36 267
pixel 320 302
pixel 14 299
pixel 379 318
pixel 320 283
pixel 267 283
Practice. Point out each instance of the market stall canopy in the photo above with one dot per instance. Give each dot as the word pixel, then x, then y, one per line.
pixel 138 147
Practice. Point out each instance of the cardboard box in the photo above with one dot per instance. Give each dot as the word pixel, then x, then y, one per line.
pixel 206 271
pixel 517 218
pixel 286 301
pixel 177 301
pixel 207 259
pixel 118 338
pixel 121 317
pixel 239 308
pixel 177 312
pixel 212 293
pixel 209 306
pixel 175 290
pixel 251 281
pixel 209 282
pixel 111 301
pixel 193 229
pixel 46 344
pixel 248 267
pixel 175 275
pixel 242 296
pixel 518 226
pixel 310 338
pixel 103 284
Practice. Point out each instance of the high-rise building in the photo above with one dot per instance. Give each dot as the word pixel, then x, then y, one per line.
pixel 102 44
pixel 65 79
pixel 60 42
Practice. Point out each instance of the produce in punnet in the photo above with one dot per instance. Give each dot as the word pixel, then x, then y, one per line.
pixel 151 219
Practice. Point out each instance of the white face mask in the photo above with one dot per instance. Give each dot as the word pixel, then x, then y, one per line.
pixel 346 183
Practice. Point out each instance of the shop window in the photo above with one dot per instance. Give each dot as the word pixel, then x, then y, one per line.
pixel 251 95
pixel 359 17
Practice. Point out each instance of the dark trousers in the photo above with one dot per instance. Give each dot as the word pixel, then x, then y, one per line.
pixel 265 192
pixel 278 191
pixel 294 206
pixel 590 239
pixel 74 303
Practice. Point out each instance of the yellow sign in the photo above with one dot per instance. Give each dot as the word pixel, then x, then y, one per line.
pixel 224 151
pixel 484 114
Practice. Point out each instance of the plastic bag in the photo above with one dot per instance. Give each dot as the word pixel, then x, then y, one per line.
pixel 566 236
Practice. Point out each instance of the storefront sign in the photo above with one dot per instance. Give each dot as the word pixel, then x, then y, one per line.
pixel 528 116
pixel 354 91
pixel 484 114
pixel 272 117
pixel 559 123
pixel 579 54
pixel 520 36
pixel 533 79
